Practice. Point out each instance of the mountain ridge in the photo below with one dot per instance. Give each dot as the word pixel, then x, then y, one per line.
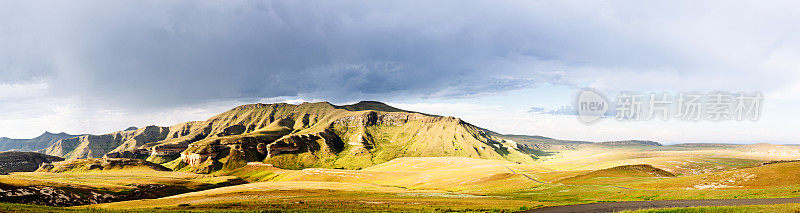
pixel 296 136
pixel 33 144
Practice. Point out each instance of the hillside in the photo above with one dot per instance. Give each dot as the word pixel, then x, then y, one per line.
pixel 626 173
pixel 296 136
pixel 38 143
pixel 767 176
pixel 23 161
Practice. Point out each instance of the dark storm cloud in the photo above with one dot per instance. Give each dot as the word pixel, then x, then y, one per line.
pixel 167 53
pixel 182 52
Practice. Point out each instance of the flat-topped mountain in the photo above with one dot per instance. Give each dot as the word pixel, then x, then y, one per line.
pixel 23 161
pixel 38 143
pixel 297 136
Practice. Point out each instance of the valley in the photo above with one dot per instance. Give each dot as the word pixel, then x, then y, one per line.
pixel 369 156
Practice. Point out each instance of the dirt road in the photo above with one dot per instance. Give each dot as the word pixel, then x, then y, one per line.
pixel 635 205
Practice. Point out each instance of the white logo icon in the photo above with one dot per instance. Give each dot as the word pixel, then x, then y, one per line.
pixel 591 106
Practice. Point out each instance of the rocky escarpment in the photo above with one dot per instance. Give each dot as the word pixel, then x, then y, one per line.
pixel 28 145
pixel 323 135
pixel 120 144
pixel 99 164
pixel 23 161
pixel 296 136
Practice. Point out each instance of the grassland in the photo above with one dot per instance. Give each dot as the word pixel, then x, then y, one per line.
pixel 677 160
pixel 116 181
pixel 434 184
pixel 323 196
pixel 427 184
pixel 788 208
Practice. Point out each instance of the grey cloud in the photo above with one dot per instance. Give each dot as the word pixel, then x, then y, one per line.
pixel 168 53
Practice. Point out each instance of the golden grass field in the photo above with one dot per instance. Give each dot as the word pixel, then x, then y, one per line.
pixel 119 180
pixel 435 184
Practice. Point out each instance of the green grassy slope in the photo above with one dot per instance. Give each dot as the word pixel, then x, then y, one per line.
pixel 324 135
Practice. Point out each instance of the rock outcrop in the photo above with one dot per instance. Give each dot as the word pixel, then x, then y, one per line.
pixel 119 144
pixel 24 161
pixel 99 164
pixel 53 196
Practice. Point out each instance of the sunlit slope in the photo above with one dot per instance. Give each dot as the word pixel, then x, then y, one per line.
pixel 459 174
pixel 87 186
pixel 116 180
pixel 329 136
pixel 296 136
pixel 404 184
pixel 674 159
pixel 619 174
pixel 767 176
pixel 315 196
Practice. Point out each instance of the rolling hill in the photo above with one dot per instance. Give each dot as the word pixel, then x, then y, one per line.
pixel 626 173
pixel 782 174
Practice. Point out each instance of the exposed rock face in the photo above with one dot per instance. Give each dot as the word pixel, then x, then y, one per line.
pixel 50 196
pixel 95 146
pixel 296 136
pixel 304 143
pixel 98 164
pixel 38 143
pixel 324 135
pixel 23 161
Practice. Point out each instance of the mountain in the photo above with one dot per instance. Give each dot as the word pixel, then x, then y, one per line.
pixel 34 144
pixel 23 161
pixel 297 136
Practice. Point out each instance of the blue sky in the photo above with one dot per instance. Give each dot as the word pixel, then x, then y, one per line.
pixel 101 66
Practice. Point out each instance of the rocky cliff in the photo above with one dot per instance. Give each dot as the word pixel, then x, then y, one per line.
pixel 119 144
pixel 23 161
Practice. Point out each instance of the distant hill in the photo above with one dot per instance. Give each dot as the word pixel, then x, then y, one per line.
pixel 34 144
pixel 535 142
pixel 23 161
pixel 297 136
pixel 626 171
pixel 767 176
pixel 95 146
pixel 630 142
